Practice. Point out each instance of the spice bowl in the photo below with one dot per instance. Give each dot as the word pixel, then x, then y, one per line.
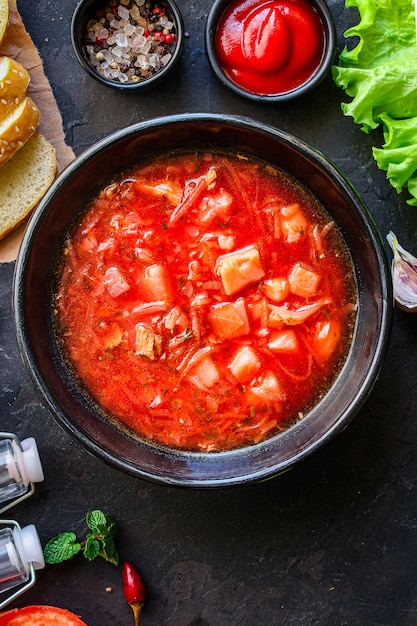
pixel 270 51
pixel 127 44
pixel 47 238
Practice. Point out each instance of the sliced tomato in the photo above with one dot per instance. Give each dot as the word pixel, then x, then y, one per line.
pixel 38 615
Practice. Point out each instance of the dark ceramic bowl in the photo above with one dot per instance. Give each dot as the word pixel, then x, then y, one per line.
pixel 322 10
pixel 87 10
pixel 33 284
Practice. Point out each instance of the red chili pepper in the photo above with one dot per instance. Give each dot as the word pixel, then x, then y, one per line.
pixel 133 589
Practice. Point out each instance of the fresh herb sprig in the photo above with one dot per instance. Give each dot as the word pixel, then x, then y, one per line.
pixel 98 542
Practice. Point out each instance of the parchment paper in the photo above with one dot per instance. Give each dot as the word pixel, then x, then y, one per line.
pixel 19 45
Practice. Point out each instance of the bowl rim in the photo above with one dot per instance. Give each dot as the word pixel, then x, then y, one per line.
pixel 144 85
pixel 256 472
pixel 218 8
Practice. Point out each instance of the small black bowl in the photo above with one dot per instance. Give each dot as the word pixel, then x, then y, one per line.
pixel 330 38
pixel 87 11
pixel 34 286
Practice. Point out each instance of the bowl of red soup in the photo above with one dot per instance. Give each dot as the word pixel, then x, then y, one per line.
pixel 202 300
pixel 270 50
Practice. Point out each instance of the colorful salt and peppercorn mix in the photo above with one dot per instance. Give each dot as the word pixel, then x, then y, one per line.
pixel 129 41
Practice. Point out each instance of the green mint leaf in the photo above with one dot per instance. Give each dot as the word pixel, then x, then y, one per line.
pixel 109 552
pixel 111 526
pixel 99 542
pixel 95 519
pixel 61 548
pixel 92 548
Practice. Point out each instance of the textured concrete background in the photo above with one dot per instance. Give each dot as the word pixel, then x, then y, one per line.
pixel 333 541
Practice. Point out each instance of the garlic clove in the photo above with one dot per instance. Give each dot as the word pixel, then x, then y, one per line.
pixel 404 276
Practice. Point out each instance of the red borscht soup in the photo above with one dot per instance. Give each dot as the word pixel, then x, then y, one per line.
pixel 205 301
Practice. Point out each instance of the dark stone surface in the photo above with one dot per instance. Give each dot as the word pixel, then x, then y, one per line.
pixel 333 541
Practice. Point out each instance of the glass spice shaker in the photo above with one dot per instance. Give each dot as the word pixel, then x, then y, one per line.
pixel 20 555
pixel 20 468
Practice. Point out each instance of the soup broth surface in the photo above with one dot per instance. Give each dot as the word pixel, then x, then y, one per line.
pixel 206 301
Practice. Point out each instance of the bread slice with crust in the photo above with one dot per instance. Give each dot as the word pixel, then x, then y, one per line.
pixel 4 17
pixel 24 180
pixel 14 81
pixel 17 127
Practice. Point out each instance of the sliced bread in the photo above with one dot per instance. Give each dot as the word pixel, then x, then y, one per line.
pixel 4 17
pixel 14 80
pixel 17 127
pixel 24 180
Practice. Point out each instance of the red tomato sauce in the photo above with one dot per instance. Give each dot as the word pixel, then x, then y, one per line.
pixel 269 47
pixel 206 301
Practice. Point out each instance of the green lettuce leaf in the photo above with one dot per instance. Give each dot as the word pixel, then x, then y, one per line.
pixel 379 72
